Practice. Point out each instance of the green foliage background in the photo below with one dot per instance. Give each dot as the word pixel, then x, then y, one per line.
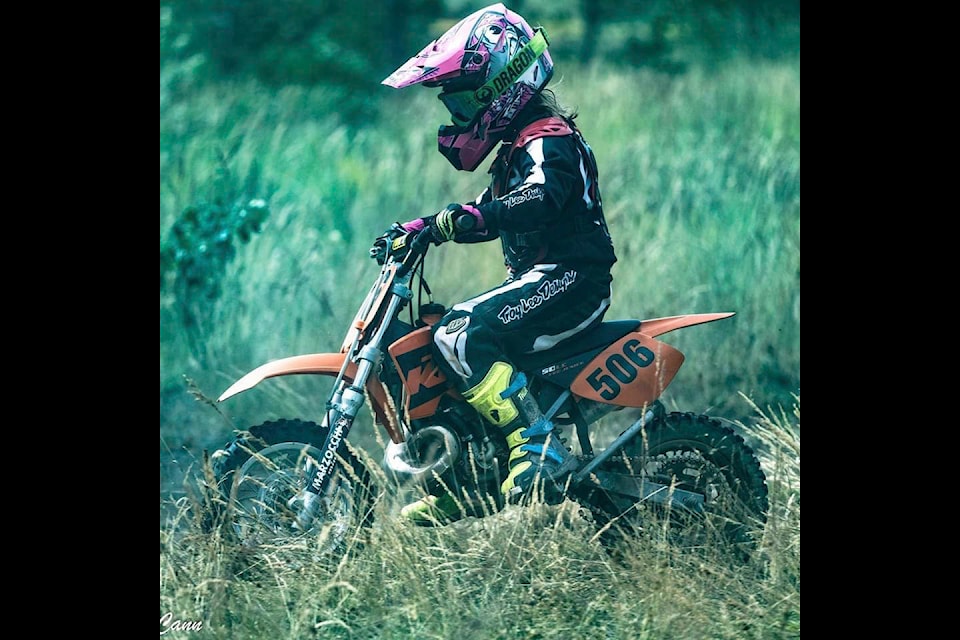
pixel 693 109
pixel 282 157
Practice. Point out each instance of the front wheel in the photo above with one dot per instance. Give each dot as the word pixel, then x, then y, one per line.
pixel 259 474
pixel 694 456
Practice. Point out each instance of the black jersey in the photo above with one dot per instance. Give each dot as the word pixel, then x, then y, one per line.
pixel 544 201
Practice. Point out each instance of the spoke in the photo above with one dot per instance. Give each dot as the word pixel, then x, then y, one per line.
pixel 269 479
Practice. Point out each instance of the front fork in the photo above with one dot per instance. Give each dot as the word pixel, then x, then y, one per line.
pixel 342 409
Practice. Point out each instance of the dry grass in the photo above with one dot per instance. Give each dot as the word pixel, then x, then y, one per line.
pixel 530 572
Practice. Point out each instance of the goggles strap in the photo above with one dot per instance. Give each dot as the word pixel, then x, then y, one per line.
pixel 525 58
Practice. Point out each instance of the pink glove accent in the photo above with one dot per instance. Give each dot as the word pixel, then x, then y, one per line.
pixel 472 210
pixel 413 225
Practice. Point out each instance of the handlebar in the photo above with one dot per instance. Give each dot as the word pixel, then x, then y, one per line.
pixel 421 242
pixel 418 247
pixel 464 222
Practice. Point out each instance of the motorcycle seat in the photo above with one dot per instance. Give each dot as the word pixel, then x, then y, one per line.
pixel 595 339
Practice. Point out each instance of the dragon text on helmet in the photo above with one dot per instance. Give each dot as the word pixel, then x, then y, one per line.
pixel 509 74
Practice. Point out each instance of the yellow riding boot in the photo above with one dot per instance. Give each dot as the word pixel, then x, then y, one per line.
pixel 538 458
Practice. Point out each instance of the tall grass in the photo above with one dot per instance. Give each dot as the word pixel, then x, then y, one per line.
pixel 532 572
pixel 701 180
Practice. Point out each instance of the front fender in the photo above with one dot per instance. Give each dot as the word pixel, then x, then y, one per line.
pixel 325 364
pixel 328 364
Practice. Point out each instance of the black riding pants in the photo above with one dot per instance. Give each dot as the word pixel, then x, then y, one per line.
pixel 532 312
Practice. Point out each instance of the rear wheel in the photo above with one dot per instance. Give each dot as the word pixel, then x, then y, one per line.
pixel 259 474
pixel 693 456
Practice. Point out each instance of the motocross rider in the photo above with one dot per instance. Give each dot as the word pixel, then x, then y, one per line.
pixel 543 203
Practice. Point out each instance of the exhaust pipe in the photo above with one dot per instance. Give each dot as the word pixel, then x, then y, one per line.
pixel 417 459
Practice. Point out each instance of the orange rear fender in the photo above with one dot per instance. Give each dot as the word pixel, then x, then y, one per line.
pixel 634 370
pixel 631 372
pixel 660 326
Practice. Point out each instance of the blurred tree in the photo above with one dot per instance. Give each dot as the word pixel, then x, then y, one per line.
pixel 201 245
pixel 347 45
pixel 646 24
pixel 303 41
pixel 656 30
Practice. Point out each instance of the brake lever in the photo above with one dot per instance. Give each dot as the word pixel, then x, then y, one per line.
pixel 418 248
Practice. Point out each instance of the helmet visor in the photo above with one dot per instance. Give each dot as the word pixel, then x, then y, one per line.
pixel 465 106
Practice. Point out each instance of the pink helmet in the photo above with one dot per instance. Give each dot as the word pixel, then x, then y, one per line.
pixel 488 66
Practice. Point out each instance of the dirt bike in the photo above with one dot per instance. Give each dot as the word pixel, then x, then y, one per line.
pixel 290 478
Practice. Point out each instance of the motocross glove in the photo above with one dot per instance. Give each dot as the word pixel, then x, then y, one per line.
pixel 445 224
pixel 390 238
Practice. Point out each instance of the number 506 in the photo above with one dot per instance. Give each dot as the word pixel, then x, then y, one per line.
pixel 620 368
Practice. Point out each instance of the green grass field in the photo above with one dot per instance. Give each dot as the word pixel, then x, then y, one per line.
pixel 533 572
pixel 701 183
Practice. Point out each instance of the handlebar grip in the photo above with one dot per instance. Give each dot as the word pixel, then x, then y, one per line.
pixel 465 222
